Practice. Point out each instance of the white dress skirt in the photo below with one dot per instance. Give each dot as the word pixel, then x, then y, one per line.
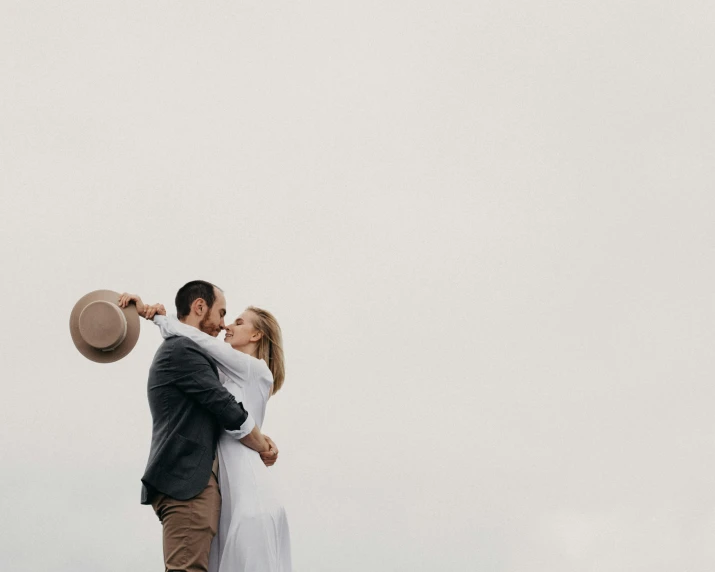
pixel 253 533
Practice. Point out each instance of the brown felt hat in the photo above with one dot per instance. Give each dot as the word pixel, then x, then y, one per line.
pixel 100 329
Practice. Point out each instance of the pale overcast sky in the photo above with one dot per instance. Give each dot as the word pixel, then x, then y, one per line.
pixel 486 229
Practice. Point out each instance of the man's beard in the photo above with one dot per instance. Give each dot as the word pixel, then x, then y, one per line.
pixel 207 328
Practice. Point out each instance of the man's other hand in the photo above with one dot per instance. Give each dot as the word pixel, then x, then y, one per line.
pixel 271 456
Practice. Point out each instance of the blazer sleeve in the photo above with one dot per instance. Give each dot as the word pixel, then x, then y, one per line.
pixel 198 380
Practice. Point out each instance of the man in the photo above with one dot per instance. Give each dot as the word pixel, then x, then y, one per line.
pixel 189 407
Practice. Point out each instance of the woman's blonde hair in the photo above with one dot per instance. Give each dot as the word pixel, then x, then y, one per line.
pixel 270 346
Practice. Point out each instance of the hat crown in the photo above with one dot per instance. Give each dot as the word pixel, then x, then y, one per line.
pixel 102 325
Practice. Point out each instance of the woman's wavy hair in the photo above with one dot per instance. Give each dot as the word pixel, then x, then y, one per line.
pixel 270 346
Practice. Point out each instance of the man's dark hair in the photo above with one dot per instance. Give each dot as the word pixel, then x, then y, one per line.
pixel 190 292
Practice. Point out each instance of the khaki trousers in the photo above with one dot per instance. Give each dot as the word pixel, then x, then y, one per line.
pixel 189 526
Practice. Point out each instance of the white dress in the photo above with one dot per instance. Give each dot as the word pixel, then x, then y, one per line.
pixel 253 534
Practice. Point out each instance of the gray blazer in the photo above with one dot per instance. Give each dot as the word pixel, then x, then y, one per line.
pixel 189 407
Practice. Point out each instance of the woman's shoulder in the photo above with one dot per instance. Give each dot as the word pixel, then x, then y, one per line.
pixel 260 370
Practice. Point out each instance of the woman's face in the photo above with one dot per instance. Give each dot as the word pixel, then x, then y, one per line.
pixel 241 332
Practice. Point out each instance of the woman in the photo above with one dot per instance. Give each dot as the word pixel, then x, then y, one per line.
pixel 253 532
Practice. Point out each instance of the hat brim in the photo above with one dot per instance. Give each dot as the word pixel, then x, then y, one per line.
pixel 130 340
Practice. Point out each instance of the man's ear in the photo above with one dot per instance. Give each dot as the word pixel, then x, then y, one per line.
pixel 199 306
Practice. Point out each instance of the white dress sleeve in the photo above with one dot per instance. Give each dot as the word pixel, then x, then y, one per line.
pixel 233 363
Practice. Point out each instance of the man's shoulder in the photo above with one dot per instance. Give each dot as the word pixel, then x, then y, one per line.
pixel 176 345
pixel 182 349
pixel 179 342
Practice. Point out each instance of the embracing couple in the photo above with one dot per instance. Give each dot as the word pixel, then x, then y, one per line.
pixel 207 477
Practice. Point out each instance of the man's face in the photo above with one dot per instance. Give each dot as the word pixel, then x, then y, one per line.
pixel 212 322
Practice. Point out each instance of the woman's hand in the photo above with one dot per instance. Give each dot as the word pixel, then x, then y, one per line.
pixel 126 299
pixel 151 311
pixel 143 309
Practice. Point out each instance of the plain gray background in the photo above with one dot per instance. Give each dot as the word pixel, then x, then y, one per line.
pixel 486 229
